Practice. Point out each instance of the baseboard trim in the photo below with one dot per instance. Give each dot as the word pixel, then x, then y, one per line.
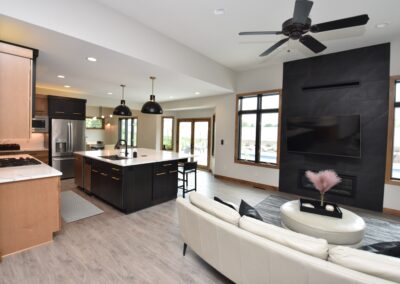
pixel 390 211
pixel 246 182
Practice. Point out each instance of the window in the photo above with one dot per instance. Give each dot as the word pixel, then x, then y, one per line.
pixel 94 123
pixel 127 130
pixel 167 133
pixel 258 128
pixel 393 157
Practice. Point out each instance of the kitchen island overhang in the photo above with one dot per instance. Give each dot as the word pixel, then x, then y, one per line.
pixel 129 184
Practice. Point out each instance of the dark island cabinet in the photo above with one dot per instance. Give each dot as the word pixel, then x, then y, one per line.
pixel 134 187
pixel 66 108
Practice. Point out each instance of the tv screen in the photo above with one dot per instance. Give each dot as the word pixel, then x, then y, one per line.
pixel 325 135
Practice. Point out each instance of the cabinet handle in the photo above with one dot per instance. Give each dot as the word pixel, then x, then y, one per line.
pixel 115 178
pixel 95 171
pixel 60 112
pixel 171 172
pixel 160 174
pixel 115 169
pixel 103 174
pixel 77 113
pixel 167 165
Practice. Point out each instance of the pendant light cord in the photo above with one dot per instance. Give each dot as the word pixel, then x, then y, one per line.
pixel 152 78
pixel 123 89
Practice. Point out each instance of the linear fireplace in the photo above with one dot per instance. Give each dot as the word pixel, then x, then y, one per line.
pixel 347 187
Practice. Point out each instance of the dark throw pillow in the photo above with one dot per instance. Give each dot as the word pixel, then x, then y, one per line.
pixel 225 203
pixel 247 210
pixel 386 248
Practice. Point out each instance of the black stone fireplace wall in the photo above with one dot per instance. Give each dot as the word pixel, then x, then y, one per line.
pixel 354 82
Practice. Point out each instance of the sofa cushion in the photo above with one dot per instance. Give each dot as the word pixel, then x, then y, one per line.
pixel 386 248
pixel 214 208
pixel 381 266
pixel 306 244
pixel 247 210
pixel 226 203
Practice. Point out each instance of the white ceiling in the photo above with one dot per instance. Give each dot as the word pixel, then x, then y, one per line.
pixel 193 23
pixel 61 54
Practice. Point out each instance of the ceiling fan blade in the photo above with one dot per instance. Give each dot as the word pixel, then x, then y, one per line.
pixel 275 46
pixel 261 33
pixel 302 9
pixel 312 43
pixel 340 24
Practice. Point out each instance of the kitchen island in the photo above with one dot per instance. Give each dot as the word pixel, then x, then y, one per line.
pixel 127 183
pixel 29 203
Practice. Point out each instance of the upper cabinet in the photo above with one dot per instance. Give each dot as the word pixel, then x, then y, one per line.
pixel 17 79
pixel 41 105
pixel 67 108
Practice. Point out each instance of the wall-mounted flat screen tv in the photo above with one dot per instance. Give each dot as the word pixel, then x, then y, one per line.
pixel 325 135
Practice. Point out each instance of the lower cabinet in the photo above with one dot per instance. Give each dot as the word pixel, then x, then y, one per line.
pixel 135 187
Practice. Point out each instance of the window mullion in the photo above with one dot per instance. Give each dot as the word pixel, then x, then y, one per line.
pixel 258 129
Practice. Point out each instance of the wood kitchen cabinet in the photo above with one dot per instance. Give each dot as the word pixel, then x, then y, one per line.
pixel 66 108
pixel 17 87
pixel 41 105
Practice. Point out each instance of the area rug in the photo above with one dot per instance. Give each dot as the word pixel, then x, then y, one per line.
pixel 74 207
pixel 377 229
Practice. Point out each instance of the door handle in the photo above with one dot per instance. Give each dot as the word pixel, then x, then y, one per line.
pixel 167 165
pixel 77 113
pixel 160 174
pixel 95 171
pixel 115 169
pixel 59 112
pixel 115 178
pixel 171 172
pixel 104 174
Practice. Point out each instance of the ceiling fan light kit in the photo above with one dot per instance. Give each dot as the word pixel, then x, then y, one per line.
pixel 151 106
pixel 122 109
pixel 300 24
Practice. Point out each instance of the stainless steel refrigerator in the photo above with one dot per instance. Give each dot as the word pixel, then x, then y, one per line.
pixel 67 137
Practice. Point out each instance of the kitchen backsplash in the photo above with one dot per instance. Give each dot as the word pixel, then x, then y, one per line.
pixel 38 141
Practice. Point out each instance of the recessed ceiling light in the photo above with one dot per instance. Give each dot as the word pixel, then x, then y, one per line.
pixel 109 93
pixel 102 116
pixel 61 76
pixel 219 11
pixel 381 25
pixel 171 97
pixel 110 115
pixel 92 59
pixel 197 93
pixel 67 86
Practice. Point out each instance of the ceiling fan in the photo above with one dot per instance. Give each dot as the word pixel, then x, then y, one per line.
pixel 297 28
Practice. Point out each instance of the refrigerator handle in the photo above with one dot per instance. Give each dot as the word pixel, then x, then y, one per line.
pixel 69 136
pixel 72 137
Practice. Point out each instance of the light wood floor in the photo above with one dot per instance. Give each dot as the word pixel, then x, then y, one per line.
pixel 143 247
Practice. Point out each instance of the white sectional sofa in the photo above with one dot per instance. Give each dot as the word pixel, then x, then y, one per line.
pixel 250 251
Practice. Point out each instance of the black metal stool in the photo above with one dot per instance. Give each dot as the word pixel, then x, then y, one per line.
pixel 185 169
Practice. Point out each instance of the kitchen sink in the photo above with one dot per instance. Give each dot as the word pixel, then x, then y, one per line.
pixel 114 157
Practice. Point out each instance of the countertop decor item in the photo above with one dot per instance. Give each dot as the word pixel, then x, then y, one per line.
pixel 323 181
pixel 122 109
pixel 152 107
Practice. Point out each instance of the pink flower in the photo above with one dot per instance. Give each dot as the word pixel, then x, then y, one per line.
pixel 323 180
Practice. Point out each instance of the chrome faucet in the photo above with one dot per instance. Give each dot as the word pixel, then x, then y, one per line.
pixel 117 146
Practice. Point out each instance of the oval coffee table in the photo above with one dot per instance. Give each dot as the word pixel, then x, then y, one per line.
pixel 348 230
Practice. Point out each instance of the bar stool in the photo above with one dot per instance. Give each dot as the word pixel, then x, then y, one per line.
pixel 185 169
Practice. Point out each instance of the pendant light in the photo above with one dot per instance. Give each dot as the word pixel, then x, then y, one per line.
pixel 122 109
pixel 152 107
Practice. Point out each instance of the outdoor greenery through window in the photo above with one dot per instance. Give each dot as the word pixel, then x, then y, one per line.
pixel 127 130
pixel 396 134
pixel 94 123
pixel 167 133
pixel 258 124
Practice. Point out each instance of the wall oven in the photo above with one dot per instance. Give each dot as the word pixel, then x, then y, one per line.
pixel 40 124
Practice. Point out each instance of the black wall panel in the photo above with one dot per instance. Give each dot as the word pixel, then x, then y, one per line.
pixel 364 74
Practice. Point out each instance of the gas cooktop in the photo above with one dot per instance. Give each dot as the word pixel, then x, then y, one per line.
pixel 17 162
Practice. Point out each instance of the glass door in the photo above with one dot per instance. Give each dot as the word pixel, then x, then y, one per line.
pixel 194 138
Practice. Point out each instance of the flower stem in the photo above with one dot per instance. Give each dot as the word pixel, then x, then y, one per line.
pixel 322 199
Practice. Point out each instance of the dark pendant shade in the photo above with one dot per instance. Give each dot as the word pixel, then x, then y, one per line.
pixel 122 109
pixel 152 107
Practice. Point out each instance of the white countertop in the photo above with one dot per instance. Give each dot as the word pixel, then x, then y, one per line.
pixel 144 156
pixel 12 174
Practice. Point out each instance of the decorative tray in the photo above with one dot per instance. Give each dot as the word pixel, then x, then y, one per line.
pixel 318 209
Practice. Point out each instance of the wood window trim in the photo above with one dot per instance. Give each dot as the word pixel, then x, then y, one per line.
pixel 192 120
pixel 119 127
pixel 249 163
pixel 390 134
pixel 162 132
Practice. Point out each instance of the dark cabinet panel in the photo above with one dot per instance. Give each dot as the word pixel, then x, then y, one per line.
pixel 165 181
pixel 66 108
pixel 138 182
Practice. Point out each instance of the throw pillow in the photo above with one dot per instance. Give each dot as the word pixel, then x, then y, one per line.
pixel 247 210
pixel 230 205
pixel 386 248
